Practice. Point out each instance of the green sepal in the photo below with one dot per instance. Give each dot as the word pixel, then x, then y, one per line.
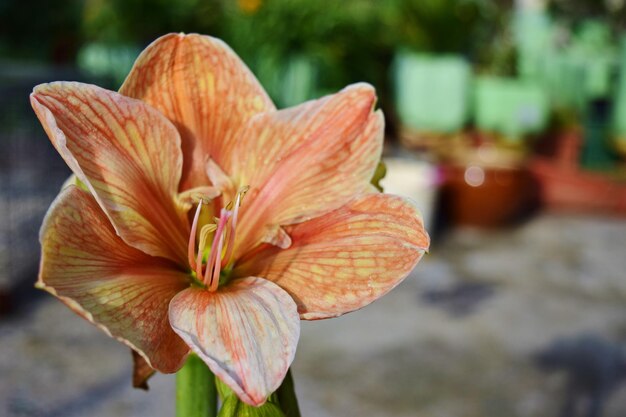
pixel 222 390
pixel 286 397
pixel 282 403
pixel 379 174
pixel 234 407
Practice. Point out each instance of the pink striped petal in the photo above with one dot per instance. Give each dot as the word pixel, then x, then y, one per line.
pixel 121 290
pixel 307 160
pixel 202 86
pixel 346 259
pixel 246 332
pixel 127 154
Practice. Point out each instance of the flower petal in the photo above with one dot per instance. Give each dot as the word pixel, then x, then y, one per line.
pixel 141 371
pixel 126 154
pixel 202 86
pixel 307 160
pixel 120 289
pixel 346 259
pixel 246 332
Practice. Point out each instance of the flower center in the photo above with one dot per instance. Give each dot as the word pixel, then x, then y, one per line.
pixel 218 254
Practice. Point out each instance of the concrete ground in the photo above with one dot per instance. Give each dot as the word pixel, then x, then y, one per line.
pixel 455 339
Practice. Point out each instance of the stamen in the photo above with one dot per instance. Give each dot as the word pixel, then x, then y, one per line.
pixel 215 279
pixel 192 238
pixel 233 223
pixel 209 272
pixel 204 234
pixel 215 255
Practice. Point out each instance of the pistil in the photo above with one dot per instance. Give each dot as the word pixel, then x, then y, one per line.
pixel 192 238
pixel 214 261
pixel 233 223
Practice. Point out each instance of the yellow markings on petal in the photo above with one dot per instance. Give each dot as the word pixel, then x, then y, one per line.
pixel 362 272
pixel 345 259
pixel 126 154
pixel 258 104
pixel 317 269
pixel 308 160
pixel 120 289
pixel 202 86
pixel 330 298
pixel 367 262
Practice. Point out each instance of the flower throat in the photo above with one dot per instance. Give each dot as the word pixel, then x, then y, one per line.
pixel 222 244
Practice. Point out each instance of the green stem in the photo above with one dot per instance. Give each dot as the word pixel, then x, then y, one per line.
pixel 196 395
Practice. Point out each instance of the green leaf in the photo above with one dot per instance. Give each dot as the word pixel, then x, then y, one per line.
pixel 379 174
pixel 234 407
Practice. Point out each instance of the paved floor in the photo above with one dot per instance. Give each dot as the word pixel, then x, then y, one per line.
pixel 455 339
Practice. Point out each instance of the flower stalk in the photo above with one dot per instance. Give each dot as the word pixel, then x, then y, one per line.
pixel 196 394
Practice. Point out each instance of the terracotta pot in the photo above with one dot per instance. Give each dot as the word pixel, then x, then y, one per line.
pixel 484 196
pixel 578 191
pixel 563 186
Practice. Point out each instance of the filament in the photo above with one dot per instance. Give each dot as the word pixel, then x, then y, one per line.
pixel 192 238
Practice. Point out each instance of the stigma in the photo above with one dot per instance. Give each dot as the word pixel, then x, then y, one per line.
pixel 221 236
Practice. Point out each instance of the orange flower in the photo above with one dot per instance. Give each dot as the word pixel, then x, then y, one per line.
pixel 160 249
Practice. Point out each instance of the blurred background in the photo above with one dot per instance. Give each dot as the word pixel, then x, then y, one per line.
pixel 506 123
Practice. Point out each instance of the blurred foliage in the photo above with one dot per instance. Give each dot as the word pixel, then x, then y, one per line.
pixel 298 48
pixel 40 29
pixel 354 40
pixel 142 21
pixel 344 40
pixel 575 11
pixel 328 44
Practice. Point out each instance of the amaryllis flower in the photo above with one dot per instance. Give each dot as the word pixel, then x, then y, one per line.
pixel 207 220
